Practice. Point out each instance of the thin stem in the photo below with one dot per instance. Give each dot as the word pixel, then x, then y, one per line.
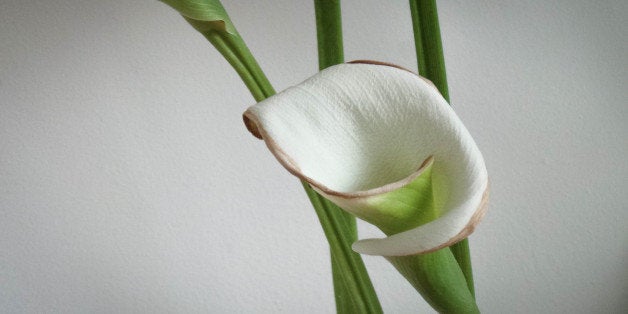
pixel 431 63
pixel 238 62
pixel 352 286
pixel 328 33
pixel 243 53
pixel 428 43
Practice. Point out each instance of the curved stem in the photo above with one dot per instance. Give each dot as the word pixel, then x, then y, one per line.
pixel 240 65
pixel 243 53
pixel 354 290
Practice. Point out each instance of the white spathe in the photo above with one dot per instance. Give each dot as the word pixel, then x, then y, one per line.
pixel 355 131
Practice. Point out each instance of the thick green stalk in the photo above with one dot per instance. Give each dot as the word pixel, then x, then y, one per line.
pixel 352 286
pixel 440 281
pixel 431 63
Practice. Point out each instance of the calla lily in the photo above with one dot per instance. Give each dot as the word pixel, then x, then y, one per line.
pixel 383 144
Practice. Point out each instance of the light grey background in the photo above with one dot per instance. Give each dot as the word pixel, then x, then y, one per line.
pixel 128 183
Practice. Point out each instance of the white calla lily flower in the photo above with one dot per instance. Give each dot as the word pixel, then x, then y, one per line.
pixel 383 144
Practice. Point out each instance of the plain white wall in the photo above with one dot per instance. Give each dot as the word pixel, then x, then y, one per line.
pixel 128 183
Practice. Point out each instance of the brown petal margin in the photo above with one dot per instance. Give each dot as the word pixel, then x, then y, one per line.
pixel 253 125
pixel 392 65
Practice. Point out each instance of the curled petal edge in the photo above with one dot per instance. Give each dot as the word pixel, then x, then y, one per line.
pixel 395 244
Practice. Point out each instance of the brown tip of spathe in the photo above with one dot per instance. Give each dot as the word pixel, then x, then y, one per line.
pixel 391 65
pixel 379 63
pixel 251 124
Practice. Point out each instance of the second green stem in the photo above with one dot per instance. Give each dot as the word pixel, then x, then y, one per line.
pixel 352 286
pixel 431 64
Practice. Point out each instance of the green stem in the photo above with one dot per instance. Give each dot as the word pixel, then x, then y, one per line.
pixel 438 278
pixel 352 286
pixel 237 62
pixel 235 51
pixel 357 294
pixel 462 253
pixel 328 33
pixel 431 62
pixel 429 48
pixel 354 290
